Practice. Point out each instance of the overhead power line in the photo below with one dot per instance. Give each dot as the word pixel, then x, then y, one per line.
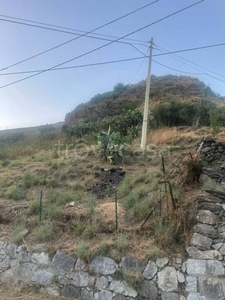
pixel 77 66
pixel 176 69
pixel 115 61
pixel 190 49
pixel 79 36
pixel 181 58
pixel 71 29
pixel 188 62
pixel 101 47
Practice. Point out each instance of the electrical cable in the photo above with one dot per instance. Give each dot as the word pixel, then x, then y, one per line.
pixel 101 47
pixel 139 68
pixel 78 66
pixel 68 28
pixel 176 69
pixel 183 60
pixel 190 49
pixel 71 40
pixel 144 56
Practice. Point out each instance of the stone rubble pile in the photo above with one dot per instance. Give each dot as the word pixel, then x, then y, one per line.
pixel 212 151
pixel 200 277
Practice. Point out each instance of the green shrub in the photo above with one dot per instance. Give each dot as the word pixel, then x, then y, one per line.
pixel 5 163
pixel 18 233
pixel 215 122
pixel 44 232
pixel 52 183
pixel 83 252
pixel 34 207
pixel 122 242
pixel 29 180
pixel 16 193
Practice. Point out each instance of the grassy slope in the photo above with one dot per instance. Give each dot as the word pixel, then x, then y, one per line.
pixel 88 228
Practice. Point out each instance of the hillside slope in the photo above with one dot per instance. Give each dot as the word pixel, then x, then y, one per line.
pixel 163 89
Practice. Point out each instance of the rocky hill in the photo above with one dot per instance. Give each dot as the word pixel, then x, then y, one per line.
pixel 123 97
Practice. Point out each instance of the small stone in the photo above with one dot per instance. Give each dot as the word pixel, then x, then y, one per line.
pixel 183 267
pixel 42 276
pixel 72 204
pixel 206 217
pixel 212 288
pixel 71 291
pixel 217 246
pixel 39 248
pixel 193 296
pixel 40 258
pixel 104 295
pixel 170 296
pixel 104 265
pixel 12 250
pixel 122 287
pixel 222 249
pixel 83 279
pixel 131 265
pixel 176 262
pixel 167 279
pixel 150 270
pixel 81 265
pixel 223 206
pixel 24 256
pixel 208 254
pixel 202 267
pixel 20 248
pixel 162 262
pixel 180 277
pixel 206 230
pixel 25 272
pixel 63 262
pixel 102 283
pixel 54 291
pixel 201 241
pixel 149 290
pixel 87 294
pixel 191 284
pixel 5 264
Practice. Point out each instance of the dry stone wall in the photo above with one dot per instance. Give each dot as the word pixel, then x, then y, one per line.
pixel 201 276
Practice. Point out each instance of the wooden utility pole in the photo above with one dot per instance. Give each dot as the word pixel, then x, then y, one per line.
pixel 145 117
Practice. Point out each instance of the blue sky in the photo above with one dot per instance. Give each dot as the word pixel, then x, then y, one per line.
pixel 46 98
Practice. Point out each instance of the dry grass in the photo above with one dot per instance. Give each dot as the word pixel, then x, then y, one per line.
pixel 106 215
pixel 9 292
pixel 171 136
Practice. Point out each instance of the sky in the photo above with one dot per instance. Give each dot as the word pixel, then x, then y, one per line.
pixel 47 97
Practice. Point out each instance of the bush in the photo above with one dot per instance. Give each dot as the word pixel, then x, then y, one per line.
pixel 111 145
pixel 18 233
pixel 16 193
pixel 30 180
pixel 44 232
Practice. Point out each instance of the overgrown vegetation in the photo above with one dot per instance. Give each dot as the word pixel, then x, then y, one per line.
pixel 67 167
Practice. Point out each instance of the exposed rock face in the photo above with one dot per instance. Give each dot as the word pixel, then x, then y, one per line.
pixel 200 277
pixel 212 151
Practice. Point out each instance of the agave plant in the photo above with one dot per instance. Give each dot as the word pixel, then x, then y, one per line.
pixel 111 145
